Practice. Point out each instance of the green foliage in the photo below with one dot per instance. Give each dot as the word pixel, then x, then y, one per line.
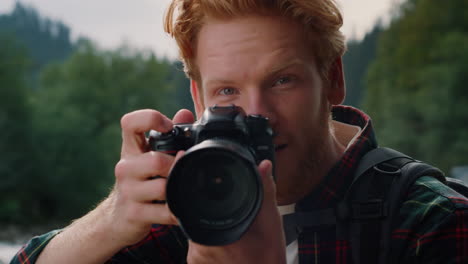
pixel 61 132
pixel 356 62
pixel 416 87
pixel 77 128
pixel 45 40
pixel 179 90
pixel 14 124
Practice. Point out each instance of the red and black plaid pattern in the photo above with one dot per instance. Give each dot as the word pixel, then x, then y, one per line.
pixel 164 244
pixel 30 252
pixel 335 184
pixel 432 227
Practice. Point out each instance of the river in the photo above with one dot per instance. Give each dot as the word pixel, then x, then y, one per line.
pixel 7 251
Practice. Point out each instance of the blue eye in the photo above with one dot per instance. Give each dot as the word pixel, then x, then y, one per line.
pixel 282 81
pixel 227 91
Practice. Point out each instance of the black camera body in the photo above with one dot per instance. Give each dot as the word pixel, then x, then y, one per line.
pixel 214 189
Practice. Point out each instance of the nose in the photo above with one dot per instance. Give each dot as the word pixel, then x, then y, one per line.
pixel 258 103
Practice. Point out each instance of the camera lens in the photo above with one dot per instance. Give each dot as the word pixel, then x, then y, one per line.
pixel 215 186
pixel 220 187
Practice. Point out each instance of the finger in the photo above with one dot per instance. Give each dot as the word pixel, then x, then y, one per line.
pixel 144 166
pixel 154 213
pixel 135 124
pixel 183 116
pixel 269 186
pixel 151 190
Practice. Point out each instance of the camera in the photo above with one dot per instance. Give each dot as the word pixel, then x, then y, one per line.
pixel 215 189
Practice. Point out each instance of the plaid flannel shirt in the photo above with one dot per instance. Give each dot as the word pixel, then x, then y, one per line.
pixel 432 227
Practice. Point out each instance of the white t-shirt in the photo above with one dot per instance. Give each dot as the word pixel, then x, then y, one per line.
pixel 292 250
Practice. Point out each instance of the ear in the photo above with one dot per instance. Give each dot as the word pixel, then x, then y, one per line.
pixel 197 98
pixel 337 89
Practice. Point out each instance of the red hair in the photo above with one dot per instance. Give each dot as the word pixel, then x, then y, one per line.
pixel 320 19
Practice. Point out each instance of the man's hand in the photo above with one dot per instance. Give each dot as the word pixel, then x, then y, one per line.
pixel 131 202
pixel 126 216
pixel 263 242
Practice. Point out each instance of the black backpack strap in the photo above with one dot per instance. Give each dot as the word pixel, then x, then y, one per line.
pixel 397 195
pixel 381 183
pixel 368 204
pixel 294 223
pixel 458 185
pixel 366 216
pixel 375 157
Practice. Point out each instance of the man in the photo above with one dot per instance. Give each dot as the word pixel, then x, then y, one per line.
pixel 280 59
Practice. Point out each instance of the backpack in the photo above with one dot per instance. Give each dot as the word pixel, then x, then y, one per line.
pixel 381 183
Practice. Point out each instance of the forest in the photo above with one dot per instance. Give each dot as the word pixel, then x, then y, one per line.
pixel 61 102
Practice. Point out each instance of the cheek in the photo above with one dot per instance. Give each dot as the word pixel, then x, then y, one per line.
pixel 302 110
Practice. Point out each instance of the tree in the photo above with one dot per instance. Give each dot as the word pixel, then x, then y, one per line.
pixel 179 90
pixel 44 39
pixel 15 126
pixel 77 129
pixel 356 63
pixel 416 86
pixel 61 132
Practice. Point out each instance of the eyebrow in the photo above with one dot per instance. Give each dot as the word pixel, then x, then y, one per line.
pixel 219 82
pixel 281 67
pixel 269 72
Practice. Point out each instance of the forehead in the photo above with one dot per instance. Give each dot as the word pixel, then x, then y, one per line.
pixel 253 41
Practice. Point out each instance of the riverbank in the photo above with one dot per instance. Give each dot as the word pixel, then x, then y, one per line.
pixel 13 237
pixel 7 251
pixel 19 234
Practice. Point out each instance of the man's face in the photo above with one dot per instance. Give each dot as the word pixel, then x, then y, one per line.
pixel 265 66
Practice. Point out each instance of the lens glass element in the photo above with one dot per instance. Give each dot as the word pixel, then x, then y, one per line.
pixel 218 188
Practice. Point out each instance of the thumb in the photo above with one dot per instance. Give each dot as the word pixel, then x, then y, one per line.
pixel 269 218
pixel 265 168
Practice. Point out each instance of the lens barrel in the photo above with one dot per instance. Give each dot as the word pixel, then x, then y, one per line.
pixel 215 191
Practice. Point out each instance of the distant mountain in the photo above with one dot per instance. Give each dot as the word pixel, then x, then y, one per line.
pixel 44 39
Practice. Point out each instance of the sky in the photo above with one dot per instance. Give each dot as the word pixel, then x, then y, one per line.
pixel 138 23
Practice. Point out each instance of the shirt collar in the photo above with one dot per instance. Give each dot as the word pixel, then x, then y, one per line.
pixel 336 182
